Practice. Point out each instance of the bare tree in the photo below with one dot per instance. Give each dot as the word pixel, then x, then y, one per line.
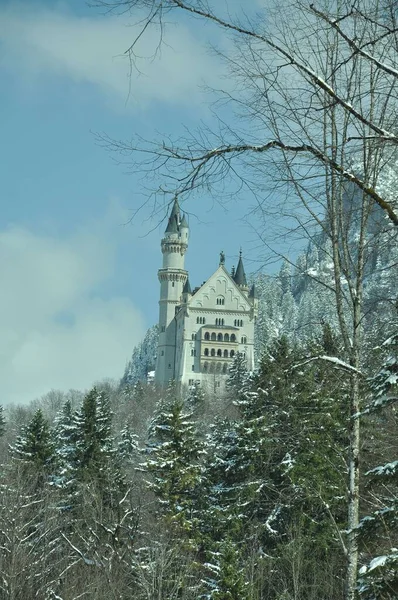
pixel 316 87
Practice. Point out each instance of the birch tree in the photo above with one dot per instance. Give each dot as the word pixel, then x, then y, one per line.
pixel 316 87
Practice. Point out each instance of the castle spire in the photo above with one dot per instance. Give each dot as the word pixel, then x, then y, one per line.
pixel 240 275
pixel 174 218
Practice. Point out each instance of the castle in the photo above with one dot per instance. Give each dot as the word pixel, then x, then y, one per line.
pixel 201 329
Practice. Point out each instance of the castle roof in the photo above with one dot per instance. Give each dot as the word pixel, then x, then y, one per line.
pixel 184 222
pixel 187 287
pixel 174 218
pixel 240 275
pixel 253 292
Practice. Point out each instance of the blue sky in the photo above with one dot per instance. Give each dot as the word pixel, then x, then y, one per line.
pixel 79 280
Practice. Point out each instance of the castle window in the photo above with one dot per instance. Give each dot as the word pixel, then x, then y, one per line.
pixel 169 365
pixel 232 353
pixel 206 353
pixel 203 320
pixel 213 337
pixel 216 321
pixel 224 368
pixel 226 337
pixel 233 337
pixel 191 382
pixel 207 335
pixel 191 352
pixel 219 337
pixel 193 367
pixel 212 352
pixel 197 320
pixel 194 336
pixel 225 353
pixel 220 300
pixel 205 366
pixel 219 352
pixel 243 340
pixel 172 284
pixel 162 352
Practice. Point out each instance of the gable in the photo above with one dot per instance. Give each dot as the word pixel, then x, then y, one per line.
pixel 220 287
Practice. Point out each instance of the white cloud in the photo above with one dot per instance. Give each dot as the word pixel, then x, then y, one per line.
pixel 56 331
pixel 91 50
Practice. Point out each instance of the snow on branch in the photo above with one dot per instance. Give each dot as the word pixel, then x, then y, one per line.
pixel 331 359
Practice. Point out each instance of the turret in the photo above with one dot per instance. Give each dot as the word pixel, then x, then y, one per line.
pixel 253 297
pixel 240 275
pixel 184 230
pixel 186 291
pixel 172 277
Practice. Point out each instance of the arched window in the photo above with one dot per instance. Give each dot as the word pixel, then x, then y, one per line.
pixel 213 337
pixel 233 337
pixel 241 323
pixel 197 320
pixel 232 353
pixel 207 335
pixel 219 352
pixel 212 352
pixel 222 321
pixel 218 367
pixel 211 367
pixel 243 340
pixel 234 322
pixel 224 368
pixel 219 337
pixel 204 320
pixel 220 300
pixel 194 336
pixel 206 352
pixel 205 366
pixel 225 353
pixel 226 337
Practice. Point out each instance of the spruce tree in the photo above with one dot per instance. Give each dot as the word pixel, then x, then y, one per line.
pixel 378 532
pixel 174 452
pixel 228 580
pixel 2 421
pixel 34 447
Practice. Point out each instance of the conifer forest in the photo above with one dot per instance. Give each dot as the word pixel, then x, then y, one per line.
pixel 283 485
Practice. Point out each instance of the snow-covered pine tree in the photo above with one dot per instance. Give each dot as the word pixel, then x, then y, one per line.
pixel 196 399
pixel 2 421
pixel 378 532
pixel 227 580
pixel 143 359
pixel 238 376
pixel 174 454
pixel 34 448
pixel 65 438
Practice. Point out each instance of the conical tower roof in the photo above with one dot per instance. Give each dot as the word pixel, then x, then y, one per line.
pixel 174 218
pixel 184 222
pixel 253 292
pixel 187 287
pixel 240 275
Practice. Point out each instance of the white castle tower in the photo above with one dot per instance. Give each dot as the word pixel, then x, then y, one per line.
pixel 172 277
pixel 201 330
